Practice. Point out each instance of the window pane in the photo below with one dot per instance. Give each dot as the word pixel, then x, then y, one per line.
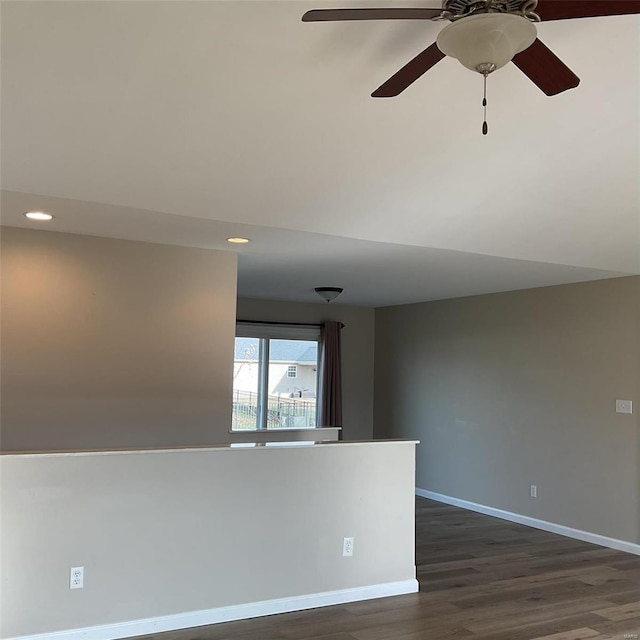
pixel 292 384
pixel 246 381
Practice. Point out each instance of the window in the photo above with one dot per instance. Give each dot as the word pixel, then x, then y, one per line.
pixel 275 379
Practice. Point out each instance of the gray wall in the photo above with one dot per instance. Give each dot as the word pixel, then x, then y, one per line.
pixel 170 532
pixel 113 343
pixel 519 388
pixel 357 352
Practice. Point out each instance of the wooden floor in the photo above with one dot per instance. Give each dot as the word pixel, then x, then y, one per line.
pixel 480 578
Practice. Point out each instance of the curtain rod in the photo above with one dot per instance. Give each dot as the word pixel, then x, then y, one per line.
pixel 295 324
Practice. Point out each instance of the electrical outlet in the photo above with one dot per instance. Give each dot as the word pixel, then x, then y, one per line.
pixel 533 492
pixel 624 406
pixel 347 547
pixel 76 578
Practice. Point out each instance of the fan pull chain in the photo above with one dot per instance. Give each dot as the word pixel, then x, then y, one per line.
pixel 485 126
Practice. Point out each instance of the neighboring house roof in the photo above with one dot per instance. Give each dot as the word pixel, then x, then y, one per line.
pixel 299 351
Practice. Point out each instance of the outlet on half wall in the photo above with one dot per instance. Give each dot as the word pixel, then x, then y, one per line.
pixel 76 578
pixel 347 547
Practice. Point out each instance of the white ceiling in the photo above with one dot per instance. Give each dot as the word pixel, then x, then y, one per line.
pixel 183 122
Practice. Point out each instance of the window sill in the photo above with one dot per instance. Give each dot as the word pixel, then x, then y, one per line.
pixel 285 430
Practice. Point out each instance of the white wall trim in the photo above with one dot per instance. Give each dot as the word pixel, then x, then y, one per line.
pixel 578 534
pixel 227 614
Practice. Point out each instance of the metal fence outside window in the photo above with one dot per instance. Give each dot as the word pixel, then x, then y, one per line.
pixel 282 413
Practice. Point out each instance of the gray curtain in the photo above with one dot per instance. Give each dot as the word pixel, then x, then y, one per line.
pixel 331 368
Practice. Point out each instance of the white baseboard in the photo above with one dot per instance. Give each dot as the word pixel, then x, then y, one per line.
pixel 227 614
pixel 585 536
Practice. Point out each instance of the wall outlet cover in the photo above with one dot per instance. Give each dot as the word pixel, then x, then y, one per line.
pixel 624 406
pixel 76 578
pixel 347 547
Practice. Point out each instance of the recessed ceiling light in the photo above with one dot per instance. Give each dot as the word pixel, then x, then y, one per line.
pixel 238 240
pixel 38 215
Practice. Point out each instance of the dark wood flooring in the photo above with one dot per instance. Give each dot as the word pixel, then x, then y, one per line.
pixel 480 578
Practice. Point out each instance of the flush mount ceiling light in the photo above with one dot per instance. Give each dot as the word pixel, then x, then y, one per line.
pixel 238 240
pixel 38 215
pixel 328 293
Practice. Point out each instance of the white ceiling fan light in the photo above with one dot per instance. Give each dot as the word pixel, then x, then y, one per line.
pixel 485 42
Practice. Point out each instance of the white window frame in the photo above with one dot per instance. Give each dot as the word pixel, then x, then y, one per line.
pixel 292 371
pixel 266 332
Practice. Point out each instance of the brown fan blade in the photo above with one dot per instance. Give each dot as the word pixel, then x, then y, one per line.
pixel 330 15
pixel 411 71
pixel 545 69
pixel 564 9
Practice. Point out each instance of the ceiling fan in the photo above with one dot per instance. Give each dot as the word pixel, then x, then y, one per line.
pixel 485 35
